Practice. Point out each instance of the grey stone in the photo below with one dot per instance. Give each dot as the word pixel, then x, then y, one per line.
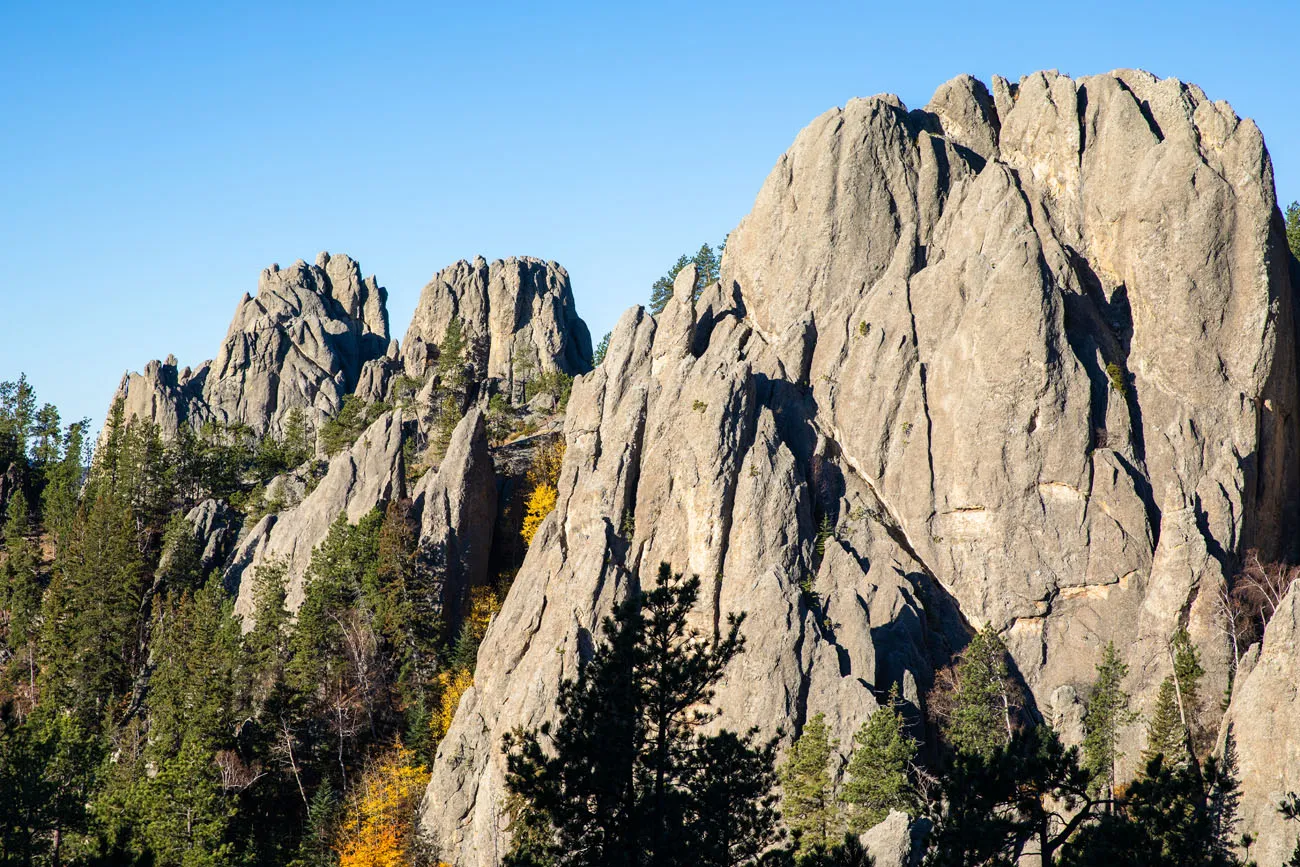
pixel 911 342
pixel 517 307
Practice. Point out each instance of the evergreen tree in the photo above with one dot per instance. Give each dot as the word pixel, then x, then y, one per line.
pixel 20 593
pixel 879 770
pixel 1106 715
pixel 47 775
pixel 662 290
pixel 601 349
pixel 627 780
pixel 807 798
pixel 62 492
pixel 451 369
pixel 1164 820
pixel 1293 228
pixel 90 617
pixel 979 707
pixel 1173 728
pixel 17 418
pixel 1029 795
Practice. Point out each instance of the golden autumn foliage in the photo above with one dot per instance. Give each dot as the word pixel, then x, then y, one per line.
pixel 452 685
pixel 544 475
pixel 540 504
pixel 484 603
pixel 378 829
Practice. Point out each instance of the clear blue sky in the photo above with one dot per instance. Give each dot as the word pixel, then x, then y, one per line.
pixel 154 157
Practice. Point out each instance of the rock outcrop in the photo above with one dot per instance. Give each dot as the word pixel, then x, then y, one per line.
pixel 457 509
pixel 369 474
pixel 454 504
pixel 519 312
pixel 1263 720
pixel 301 342
pixel 1028 355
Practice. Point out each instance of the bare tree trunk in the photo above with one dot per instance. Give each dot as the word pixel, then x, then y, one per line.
pixel 293 763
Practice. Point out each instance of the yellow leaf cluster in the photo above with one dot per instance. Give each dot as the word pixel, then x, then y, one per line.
pixel 378 829
pixel 544 475
pixel 452 685
pixel 540 504
pixel 546 465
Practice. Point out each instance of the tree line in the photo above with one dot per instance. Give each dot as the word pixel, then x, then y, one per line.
pixel 633 773
pixel 142 723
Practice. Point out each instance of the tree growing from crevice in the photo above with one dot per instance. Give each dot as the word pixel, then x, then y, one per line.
pixel 1106 716
pixel 808 802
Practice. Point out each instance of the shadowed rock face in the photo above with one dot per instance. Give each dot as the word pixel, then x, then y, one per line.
pixel 301 342
pixel 511 309
pixel 1028 351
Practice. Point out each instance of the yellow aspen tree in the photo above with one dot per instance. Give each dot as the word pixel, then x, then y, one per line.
pixel 378 829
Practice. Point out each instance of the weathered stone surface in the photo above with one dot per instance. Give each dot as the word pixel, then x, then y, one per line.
pixel 457 508
pixel 1264 719
pixel 1008 347
pixel 896 842
pixel 359 479
pixel 302 342
pixel 164 395
pixel 512 308
pixel 215 527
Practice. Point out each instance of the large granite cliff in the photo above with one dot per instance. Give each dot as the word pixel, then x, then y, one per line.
pixel 1030 353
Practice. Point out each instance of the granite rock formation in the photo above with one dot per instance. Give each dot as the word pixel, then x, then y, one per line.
pixel 517 312
pixel 1021 358
pixel 300 342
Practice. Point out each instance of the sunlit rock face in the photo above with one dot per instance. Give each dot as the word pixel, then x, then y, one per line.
pixel 1027 352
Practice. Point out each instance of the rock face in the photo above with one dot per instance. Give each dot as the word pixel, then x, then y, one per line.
pixel 1028 353
pixel 457 509
pixel 367 475
pixel 512 309
pixel 215 528
pixel 301 342
pixel 1263 719
pixel 454 503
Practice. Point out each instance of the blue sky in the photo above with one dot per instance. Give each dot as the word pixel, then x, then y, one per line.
pixel 155 156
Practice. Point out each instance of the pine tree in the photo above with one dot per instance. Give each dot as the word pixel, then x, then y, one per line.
pixel 708 263
pixel 662 290
pixel 1173 728
pixel 1107 714
pixel 1029 795
pixel 62 492
pixel 1165 820
pixel 1165 734
pixel 602 349
pixel 627 780
pixel 90 619
pixel 47 776
pixel 979 706
pixel 1293 228
pixel 879 770
pixel 21 591
pixel 450 369
pixel 807 798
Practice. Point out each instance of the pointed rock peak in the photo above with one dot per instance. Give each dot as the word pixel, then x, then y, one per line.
pixel 964 109
pixel 684 284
